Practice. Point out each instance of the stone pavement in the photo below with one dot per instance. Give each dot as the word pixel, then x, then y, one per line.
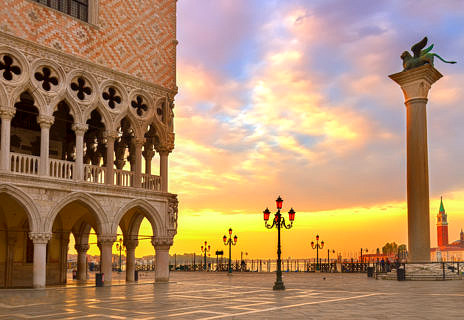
pixel 243 296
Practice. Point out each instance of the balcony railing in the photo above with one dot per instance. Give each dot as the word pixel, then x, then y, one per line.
pixel 124 178
pixel 94 174
pixel 66 170
pixel 24 163
pixel 151 182
pixel 61 169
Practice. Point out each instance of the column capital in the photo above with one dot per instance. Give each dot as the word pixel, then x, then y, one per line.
pixel 139 142
pixel 38 237
pixel 416 83
pixel 162 243
pixel 148 154
pixel 45 121
pixel 110 135
pixel 106 239
pixel 80 128
pixel 82 248
pixel 7 113
pixel 131 244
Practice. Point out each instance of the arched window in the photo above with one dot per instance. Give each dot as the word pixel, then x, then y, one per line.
pixel 81 9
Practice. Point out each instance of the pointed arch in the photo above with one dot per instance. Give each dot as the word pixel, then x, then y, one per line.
pixel 132 120
pixel 104 113
pixel 88 201
pixel 3 97
pixel 39 100
pixel 27 204
pixel 150 212
pixel 74 109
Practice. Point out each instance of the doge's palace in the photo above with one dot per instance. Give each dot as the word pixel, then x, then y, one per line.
pixel 86 106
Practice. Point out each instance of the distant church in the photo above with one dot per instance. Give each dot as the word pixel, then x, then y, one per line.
pixel 446 251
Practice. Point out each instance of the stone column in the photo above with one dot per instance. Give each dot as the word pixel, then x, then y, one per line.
pixel 79 129
pixel 164 170
pixel 9 263
pixel 110 138
pixel 39 271
pixel 82 261
pixel 6 115
pixel 138 162
pixel 415 84
pixel 148 155
pixel 106 259
pixel 45 123
pixel 162 246
pixel 130 259
pixel 64 246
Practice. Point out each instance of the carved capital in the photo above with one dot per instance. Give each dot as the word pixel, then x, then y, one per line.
pixel 139 142
pixel 166 146
pixel 148 154
pixel 80 128
pixel 162 243
pixel 416 83
pixel 110 135
pixel 106 240
pixel 37 237
pixel 82 248
pixel 131 244
pixel 45 121
pixel 7 113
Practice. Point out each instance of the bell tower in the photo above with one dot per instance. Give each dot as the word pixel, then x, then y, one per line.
pixel 442 226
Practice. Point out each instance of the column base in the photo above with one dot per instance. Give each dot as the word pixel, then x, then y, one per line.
pixel 278 285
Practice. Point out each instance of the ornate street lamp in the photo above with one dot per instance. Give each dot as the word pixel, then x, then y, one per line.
pixel 205 250
pixel 230 243
pixel 119 246
pixel 279 222
pixel 317 247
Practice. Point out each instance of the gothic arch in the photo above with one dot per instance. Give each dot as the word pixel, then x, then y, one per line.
pixel 133 121
pixel 74 109
pixel 3 97
pixel 28 205
pixel 149 211
pixel 105 115
pixel 39 100
pixel 88 201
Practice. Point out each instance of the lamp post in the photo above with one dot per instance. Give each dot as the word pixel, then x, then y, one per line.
pixel 230 243
pixel 362 254
pixel 317 247
pixel 205 250
pixel 279 222
pixel 119 247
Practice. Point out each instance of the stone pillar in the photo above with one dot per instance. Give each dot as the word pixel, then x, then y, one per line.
pixel 162 246
pixel 106 259
pixel 82 261
pixel 415 84
pixel 138 162
pixel 130 259
pixel 110 138
pixel 79 129
pixel 45 123
pixel 6 115
pixel 164 170
pixel 64 246
pixel 9 263
pixel 148 155
pixel 39 271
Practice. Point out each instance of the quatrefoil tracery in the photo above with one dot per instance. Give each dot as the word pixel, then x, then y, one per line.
pixel 139 106
pixel 46 78
pixel 112 97
pixel 9 68
pixel 81 88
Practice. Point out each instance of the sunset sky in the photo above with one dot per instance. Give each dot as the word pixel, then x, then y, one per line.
pixel 292 98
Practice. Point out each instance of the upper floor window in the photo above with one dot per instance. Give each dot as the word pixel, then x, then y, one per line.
pixel 76 8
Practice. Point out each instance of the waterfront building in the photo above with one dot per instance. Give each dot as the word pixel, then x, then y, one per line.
pixel 87 93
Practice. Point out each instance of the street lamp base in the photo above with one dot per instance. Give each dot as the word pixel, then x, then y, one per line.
pixel 278 285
